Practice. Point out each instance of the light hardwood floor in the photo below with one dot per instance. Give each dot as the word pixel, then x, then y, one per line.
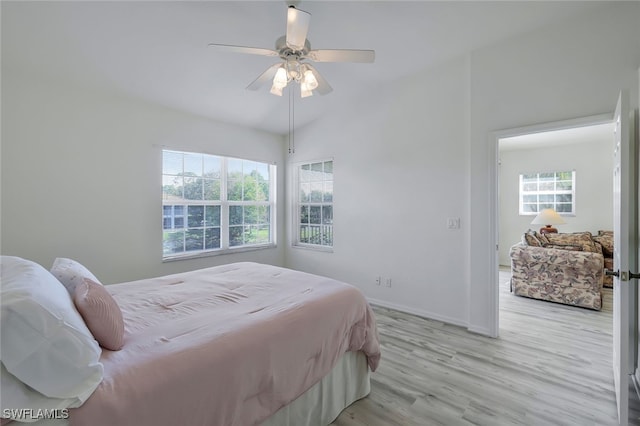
pixel 551 365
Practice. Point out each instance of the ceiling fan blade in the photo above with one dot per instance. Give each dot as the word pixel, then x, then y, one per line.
pixel 297 27
pixel 243 49
pixel 341 55
pixel 264 77
pixel 323 87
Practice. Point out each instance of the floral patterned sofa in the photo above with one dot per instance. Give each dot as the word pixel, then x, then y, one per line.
pixel 563 268
pixel 605 239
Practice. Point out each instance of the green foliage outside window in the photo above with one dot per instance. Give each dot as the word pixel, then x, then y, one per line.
pixel 192 178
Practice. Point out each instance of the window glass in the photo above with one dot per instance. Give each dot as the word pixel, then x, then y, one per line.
pixel 547 190
pixel 314 223
pixel 195 208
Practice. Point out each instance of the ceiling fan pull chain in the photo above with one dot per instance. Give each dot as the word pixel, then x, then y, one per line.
pixel 292 141
pixel 289 135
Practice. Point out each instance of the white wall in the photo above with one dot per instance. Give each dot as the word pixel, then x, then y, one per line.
pixel 400 169
pixel 594 188
pixel 572 69
pixel 81 176
pixel 426 146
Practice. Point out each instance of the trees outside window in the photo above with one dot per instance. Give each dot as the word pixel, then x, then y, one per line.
pixel 213 204
pixel 314 204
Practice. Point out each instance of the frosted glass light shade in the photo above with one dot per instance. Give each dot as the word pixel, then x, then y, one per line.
pixel 310 80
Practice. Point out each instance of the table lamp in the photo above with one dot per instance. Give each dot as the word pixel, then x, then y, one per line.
pixel 548 217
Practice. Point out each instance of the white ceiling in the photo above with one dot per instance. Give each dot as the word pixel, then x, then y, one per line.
pixel 157 51
pixel 597 133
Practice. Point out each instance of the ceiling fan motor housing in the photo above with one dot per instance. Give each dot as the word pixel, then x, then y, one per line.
pixel 285 51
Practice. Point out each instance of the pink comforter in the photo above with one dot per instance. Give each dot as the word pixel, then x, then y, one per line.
pixel 227 345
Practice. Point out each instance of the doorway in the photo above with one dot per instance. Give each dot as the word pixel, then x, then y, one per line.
pixel 580 146
pixel 585 205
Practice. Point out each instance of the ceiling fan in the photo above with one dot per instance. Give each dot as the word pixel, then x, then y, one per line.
pixel 293 49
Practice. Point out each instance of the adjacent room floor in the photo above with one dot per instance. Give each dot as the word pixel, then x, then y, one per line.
pixel 551 365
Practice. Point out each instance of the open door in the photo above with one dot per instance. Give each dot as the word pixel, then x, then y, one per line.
pixel 622 229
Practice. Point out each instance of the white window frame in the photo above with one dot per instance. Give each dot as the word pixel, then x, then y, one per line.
pixel 540 191
pixel 224 204
pixel 298 203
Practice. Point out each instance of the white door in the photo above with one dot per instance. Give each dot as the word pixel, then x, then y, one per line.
pixel 622 180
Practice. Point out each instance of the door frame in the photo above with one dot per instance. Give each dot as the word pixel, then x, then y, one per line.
pixel 494 191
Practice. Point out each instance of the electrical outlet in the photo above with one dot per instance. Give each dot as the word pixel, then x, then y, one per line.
pixel 387 283
pixel 378 280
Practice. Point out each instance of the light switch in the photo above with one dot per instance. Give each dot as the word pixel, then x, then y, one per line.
pixel 453 223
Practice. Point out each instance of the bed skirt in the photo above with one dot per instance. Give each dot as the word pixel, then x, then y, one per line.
pixel 347 382
pixel 324 401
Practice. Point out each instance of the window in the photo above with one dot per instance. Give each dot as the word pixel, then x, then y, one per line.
pixel 215 204
pixel 314 205
pixel 550 190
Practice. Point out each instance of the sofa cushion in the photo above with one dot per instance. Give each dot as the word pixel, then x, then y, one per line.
pixel 606 241
pixel 534 239
pixel 529 239
pixel 581 239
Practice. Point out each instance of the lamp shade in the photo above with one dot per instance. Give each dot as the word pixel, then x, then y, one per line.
pixel 548 217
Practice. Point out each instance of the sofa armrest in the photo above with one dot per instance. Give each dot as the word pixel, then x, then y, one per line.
pixel 558 275
pixel 581 269
pixel 557 256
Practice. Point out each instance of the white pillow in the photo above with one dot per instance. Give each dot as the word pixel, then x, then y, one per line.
pixel 71 273
pixel 44 341
pixel 18 396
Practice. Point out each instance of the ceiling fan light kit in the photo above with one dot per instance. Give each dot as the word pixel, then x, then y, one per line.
pixel 293 48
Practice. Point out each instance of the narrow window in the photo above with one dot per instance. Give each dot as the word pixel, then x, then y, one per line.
pixel 314 205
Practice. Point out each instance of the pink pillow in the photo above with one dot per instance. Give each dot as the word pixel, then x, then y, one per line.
pixel 101 313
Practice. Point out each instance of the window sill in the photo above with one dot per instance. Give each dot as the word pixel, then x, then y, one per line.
pixel 324 249
pixel 210 253
pixel 561 214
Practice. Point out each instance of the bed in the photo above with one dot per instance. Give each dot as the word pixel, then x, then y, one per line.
pixel 238 344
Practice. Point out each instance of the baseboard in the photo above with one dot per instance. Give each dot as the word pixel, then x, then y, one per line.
pixel 481 330
pixel 418 312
